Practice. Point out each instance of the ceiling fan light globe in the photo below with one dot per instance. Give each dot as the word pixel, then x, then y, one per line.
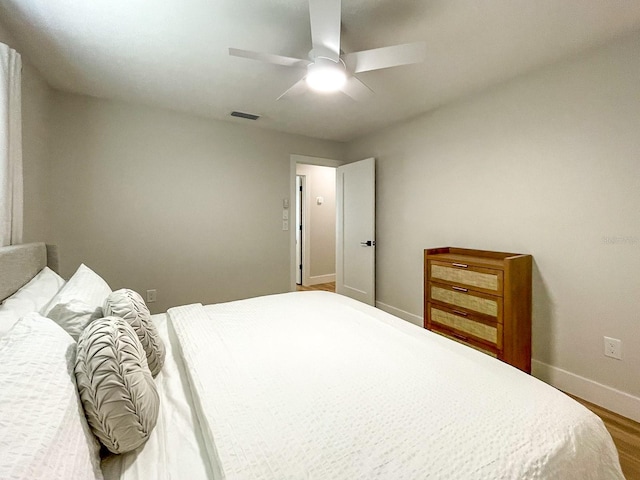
pixel 326 76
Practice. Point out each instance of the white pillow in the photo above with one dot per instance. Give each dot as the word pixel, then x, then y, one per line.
pixel 7 320
pixel 44 432
pixel 74 316
pixel 86 286
pixel 33 296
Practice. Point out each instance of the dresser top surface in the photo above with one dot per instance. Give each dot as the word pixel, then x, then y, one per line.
pixel 468 256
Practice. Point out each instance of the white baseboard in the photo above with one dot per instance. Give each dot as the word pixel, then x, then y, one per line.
pixel 607 397
pixel 409 317
pixel 318 279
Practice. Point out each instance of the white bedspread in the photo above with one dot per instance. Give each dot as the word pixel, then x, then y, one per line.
pixel 313 385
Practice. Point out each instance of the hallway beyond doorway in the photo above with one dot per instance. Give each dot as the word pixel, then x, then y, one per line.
pixel 325 287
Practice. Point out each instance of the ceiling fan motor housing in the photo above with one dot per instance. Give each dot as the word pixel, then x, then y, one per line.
pixel 326 75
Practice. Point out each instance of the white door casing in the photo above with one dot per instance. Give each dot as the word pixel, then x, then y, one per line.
pixel 299 206
pixel 355 231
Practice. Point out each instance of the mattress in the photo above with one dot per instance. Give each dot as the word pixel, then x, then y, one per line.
pixel 313 385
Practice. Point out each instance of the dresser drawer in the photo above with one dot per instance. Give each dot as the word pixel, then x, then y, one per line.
pixel 466 299
pixel 477 278
pixel 469 343
pixel 466 325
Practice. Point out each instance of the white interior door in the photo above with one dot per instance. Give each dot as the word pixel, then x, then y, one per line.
pixel 355 231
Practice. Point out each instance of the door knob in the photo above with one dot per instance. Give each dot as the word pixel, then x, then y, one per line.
pixel 368 243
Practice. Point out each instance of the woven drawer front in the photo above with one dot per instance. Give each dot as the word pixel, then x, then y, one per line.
pixel 488 281
pixel 480 349
pixel 465 300
pixel 477 329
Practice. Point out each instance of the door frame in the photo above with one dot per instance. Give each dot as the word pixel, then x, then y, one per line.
pixel 293 161
pixel 300 226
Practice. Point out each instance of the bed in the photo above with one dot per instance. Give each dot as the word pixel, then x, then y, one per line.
pixel 314 385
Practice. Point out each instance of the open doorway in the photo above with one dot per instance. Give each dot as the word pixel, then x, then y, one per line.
pixel 313 239
pixel 316 228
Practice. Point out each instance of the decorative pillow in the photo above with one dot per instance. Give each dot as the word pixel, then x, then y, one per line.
pixel 44 431
pixel 117 391
pixel 129 305
pixel 85 285
pixel 74 316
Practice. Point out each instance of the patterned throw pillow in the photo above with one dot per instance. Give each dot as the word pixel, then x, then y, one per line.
pixel 130 306
pixel 117 390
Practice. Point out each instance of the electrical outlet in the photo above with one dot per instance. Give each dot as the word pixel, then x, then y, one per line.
pixel 613 348
pixel 151 295
pixel 285 224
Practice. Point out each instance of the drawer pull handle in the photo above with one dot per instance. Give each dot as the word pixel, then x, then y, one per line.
pixel 461 337
pixel 460 265
pixel 460 289
pixel 458 312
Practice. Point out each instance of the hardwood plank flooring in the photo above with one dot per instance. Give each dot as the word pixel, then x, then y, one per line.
pixel 626 436
pixel 325 287
pixel 625 432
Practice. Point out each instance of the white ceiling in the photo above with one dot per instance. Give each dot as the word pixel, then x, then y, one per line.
pixel 173 53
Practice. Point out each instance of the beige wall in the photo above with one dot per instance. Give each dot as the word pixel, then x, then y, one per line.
pixel 321 225
pixel 153 199
pixel 547 164
pixel 35 107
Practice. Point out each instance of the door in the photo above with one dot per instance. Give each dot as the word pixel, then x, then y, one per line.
pixel 355 231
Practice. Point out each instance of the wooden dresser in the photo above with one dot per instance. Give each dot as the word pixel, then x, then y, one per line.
pixel 482 299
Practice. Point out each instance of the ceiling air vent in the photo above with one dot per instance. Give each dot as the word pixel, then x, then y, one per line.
pixel 248 116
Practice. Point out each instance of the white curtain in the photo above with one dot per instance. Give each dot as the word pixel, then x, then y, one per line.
pixel 10 147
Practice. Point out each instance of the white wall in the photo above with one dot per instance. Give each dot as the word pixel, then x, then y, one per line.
pixel 155 199
pixel 35 158
pixel 547 164
pixel 321 223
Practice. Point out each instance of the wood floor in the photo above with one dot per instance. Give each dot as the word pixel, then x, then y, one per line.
pixel 625 432
pixel 325 287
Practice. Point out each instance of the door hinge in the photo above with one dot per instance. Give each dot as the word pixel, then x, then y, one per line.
pixel 300 267
pixel 300 187
pixel 300 227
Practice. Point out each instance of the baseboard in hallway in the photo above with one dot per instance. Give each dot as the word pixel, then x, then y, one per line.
pixel 325 287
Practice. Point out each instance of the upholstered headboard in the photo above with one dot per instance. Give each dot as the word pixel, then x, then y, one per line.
pixel 20 263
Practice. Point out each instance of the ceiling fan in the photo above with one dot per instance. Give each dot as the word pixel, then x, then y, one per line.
pixel 328 69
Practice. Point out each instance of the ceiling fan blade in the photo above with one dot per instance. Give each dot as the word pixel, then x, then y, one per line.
pixel 356 89
pixel 385 57
pixel 297 88
pixel 269 58
pixel 325 28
